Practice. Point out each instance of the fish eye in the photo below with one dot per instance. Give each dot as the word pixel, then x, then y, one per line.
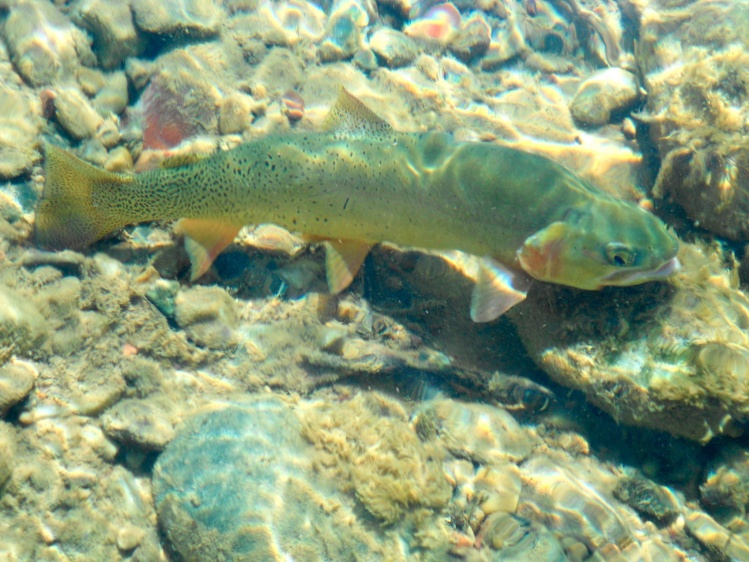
pixel 620 255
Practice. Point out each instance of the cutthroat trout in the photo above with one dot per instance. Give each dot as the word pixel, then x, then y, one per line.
pixel 360 182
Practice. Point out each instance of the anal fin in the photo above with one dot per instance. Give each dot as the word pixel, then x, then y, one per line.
pixel 343 258
pixel 498 288
pixel 204 240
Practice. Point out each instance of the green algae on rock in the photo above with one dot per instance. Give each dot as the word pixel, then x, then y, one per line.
pixel 366 443
pixel 693 57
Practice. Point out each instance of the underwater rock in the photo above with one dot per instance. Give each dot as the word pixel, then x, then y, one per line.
pixel 235 114
pixel 20 125
pixel 366 443
pixel 473 40
pixel 198 19
pixel 669 356
pixel 22 327
pixel 279 72
pixel 517 540
pixel 393 47
pixel 119 161
pixel 704 165
pixel 366 60
pixel 480 433
pixel 281 24
pixel 144 424
pixel 344 37
pixel 292 105
pixel 646 497
pixel 602 94
pixel 438 24
pixel 90 80
pixel 208 316
pixel 574 493
pixel 725 491
pixel 112 98
pixel 16 381
pixel 162 294
pixel 177 105
pixel 724 543
pixel 695 74
pixel 75 114
pixel 507 42
pixel 238 481
pixel 481 492
pixel 67 460
pixel 7 450
pixel 111 24
pixel 43 44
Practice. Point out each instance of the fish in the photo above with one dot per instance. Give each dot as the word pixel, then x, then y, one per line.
pixel 359 182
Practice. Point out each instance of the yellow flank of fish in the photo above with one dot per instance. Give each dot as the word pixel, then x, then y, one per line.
pixel 359 182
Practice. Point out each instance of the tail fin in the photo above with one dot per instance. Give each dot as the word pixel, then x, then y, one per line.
pixel 77 206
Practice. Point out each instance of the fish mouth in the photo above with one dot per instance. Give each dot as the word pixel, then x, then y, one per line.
pixel 624 278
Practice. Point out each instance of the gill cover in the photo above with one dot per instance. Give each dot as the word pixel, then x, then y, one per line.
pixel 540 255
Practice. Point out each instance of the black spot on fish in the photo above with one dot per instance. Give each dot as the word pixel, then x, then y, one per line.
pixel 345 204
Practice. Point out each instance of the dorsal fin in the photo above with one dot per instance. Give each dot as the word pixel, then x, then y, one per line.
pixel 349 117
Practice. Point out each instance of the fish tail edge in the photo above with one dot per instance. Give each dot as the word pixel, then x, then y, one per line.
pixel 72 212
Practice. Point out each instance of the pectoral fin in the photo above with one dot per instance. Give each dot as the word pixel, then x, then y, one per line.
pixel 343 258
pixel 498 288
pixel 204 240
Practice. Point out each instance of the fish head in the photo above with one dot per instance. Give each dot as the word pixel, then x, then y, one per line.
pixel 609 243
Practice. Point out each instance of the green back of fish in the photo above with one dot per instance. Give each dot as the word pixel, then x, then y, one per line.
pixel 418 190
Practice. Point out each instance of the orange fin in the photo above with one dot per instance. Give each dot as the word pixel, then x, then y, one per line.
pixel 343 258
pixel 204 240
pixel 498 288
